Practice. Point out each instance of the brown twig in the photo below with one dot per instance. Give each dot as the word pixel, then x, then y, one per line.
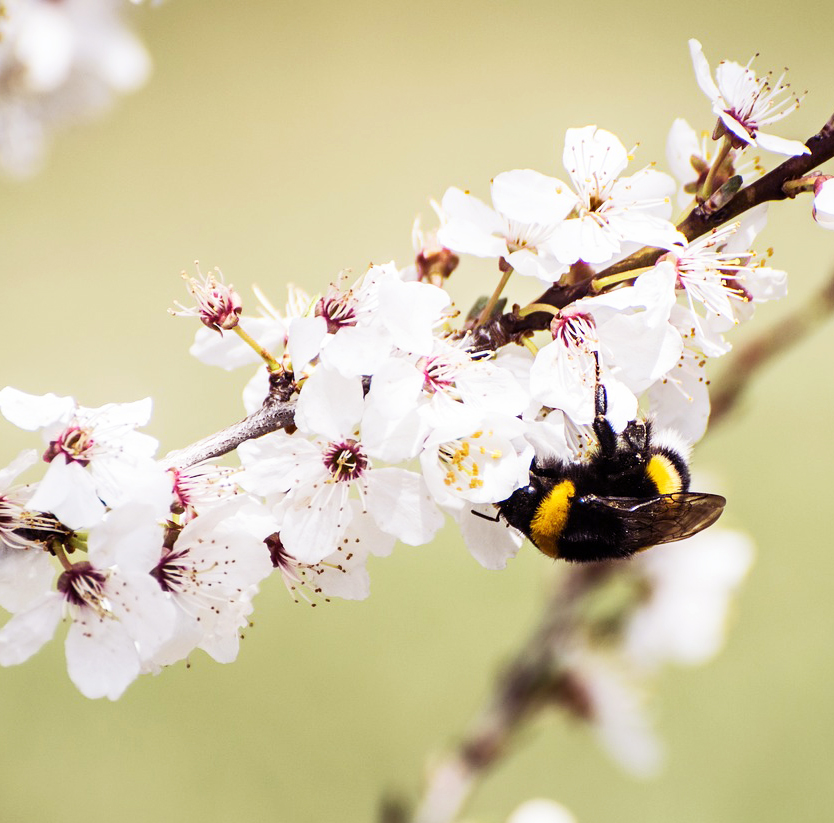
pixel 510 327
pixel 277 412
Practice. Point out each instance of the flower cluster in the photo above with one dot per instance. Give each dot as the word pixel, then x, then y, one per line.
pixel 397 412
pixel 60 63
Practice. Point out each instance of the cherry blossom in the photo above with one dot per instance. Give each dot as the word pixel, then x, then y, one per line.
pixel 745 103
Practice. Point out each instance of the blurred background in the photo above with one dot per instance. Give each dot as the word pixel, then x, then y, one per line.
pixel 283 143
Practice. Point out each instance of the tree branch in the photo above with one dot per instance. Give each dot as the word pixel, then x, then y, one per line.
pixel 509 327
pixel 277 412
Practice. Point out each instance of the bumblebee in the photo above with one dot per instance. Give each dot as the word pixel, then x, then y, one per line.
pixel 629 495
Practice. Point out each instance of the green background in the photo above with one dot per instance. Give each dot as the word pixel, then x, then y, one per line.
pixel 284 144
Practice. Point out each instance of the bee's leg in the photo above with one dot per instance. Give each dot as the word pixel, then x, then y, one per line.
pixel 551 471
pixel 486 516
pixel 606 436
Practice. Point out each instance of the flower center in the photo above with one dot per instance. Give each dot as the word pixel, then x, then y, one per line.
pixel 438 374
pixel 345 461
pixel 171 574
pixel 465 460
pixel 82 585
pixel 75 443
pixel 575 330
pixel 338 311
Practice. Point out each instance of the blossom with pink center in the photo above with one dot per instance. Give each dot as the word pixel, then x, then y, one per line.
pixel 218 305
pixel 119 617
pixel 95 456
pixel 745 104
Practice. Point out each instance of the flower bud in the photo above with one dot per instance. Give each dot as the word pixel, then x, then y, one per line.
pixel 824 201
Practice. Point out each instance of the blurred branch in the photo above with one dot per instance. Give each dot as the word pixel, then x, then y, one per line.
pixel 533 679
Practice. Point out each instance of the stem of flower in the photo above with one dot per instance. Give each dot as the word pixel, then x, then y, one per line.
pixel 507 270
pixel 599 284
pixel 706 190
pixel 534 307
pixel 271 362
pixel 61 555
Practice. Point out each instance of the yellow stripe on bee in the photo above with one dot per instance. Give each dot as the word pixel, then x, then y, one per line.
pixel 551 517
pixel 663 473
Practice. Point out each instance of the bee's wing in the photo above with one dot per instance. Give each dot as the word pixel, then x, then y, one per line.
pixel 661 519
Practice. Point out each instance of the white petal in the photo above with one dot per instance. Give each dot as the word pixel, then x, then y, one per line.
pixel 529 197
pixel 330 404
pixel 305 339
pixel 27 632
pixel 593 158
pixel 357 350
pixel 32 412
pixel 46 47
pixel 410 311
pixel 229 352
pixel 770 142
pixel 123 61
pixel 733 125
pixel 393 439
pixel 702 72
pixel 101 657
pixel 314 523
pixel 401 505
pixel 395 388
pixel 25 575
pixel 256 391
pixel 129 537
pixel 460 206
pixel 541 811
pixel 646 184
pixel 69 492
pixel 279 462
pixel 823 207
pixel 470 226
pixel 26 459
pixel 120 415
pixel 681 144
pixel 187 633
pixel 546 267
pixel 145 611
pixel 564 380
pixel 582 238
pixel 491 542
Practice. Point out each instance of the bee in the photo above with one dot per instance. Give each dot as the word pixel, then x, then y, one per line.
pixel 630 494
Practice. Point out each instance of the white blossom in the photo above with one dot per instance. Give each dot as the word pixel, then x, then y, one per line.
pixel 527 208
pixel 119 617
pixel 745 103
pixel 25 567
pixel 609 212
pixel 690 584
pixel 95 456
pixel 541 811
pixel 211 574
pixel 60 63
